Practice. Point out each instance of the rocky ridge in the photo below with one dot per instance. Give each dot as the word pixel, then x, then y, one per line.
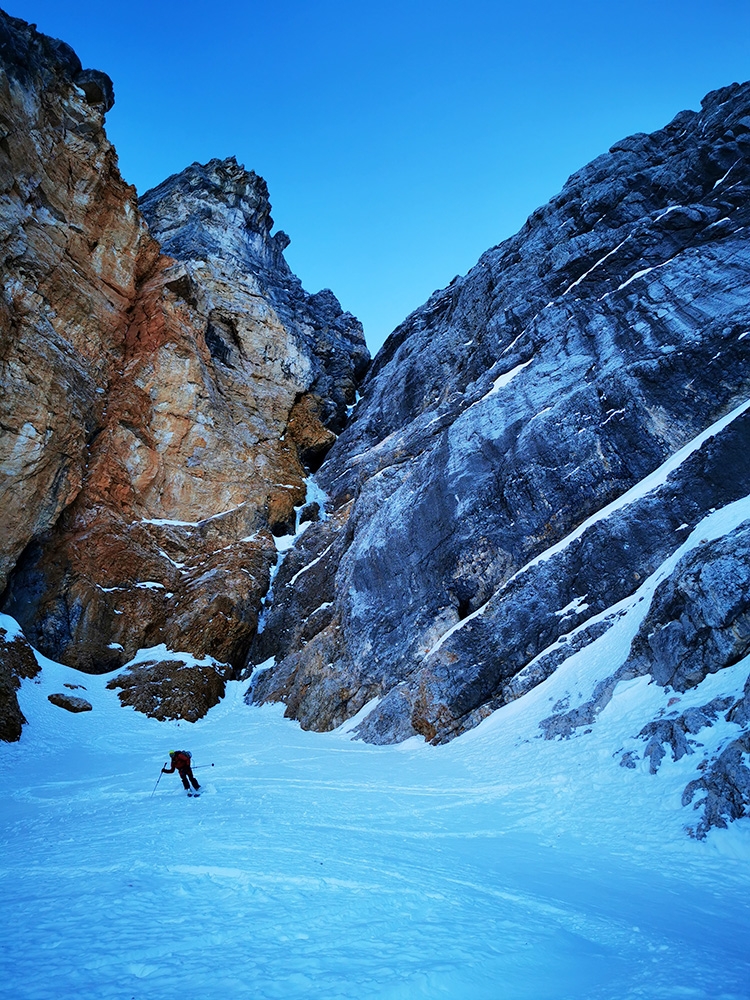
pixel 166 392
pixel 530 446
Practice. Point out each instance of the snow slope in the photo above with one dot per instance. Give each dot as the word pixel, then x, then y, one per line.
pixel 499 866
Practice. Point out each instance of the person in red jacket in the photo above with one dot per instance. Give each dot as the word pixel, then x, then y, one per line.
pixel 181 764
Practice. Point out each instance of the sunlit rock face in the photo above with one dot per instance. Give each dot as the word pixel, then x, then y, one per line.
pixel 66 291
pixel 261 327
pixel 502 484
pixel 160 413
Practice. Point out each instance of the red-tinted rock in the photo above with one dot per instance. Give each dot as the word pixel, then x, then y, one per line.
pixel 158 412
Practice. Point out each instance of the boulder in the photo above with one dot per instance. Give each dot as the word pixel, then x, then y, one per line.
pixel 69 702
pixel 171 689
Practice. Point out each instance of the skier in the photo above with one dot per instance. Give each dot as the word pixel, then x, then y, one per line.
pixel 181 764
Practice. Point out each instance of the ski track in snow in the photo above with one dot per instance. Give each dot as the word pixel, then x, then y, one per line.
pixel 499 867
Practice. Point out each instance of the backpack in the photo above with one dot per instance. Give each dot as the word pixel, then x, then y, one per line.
pixel 181 758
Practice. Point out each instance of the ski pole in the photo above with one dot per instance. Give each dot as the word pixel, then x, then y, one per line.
pixel 159 778
pixel 197 766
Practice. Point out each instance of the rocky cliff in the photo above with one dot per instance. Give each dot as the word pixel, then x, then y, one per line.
pixel 530 447
pixel 167 387
pixel 67 288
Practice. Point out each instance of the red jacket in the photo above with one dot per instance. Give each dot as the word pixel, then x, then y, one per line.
pixel 180 761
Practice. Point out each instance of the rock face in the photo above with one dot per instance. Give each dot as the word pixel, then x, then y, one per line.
pixel 65 293
pixel 17 661
pixel 160 413
pixel 260 324
pixel 530 445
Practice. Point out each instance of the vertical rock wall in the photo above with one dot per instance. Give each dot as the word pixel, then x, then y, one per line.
pixel 161 413
pixel 66 293
pixel 491 499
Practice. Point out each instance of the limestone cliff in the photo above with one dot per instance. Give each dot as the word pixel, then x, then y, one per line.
pixel 66 291
pixel 530 445
pixel 160 413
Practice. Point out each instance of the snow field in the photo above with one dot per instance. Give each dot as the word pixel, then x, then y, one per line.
pixel 499 867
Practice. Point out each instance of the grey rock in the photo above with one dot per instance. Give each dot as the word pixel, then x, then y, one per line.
pixel 12 718
pixel 97 87
pixel 25 53
pixel 70 703
pixel 740 711
pixel 310 512
pixel 219 209
pixel 545 665
pixel 696 625
pixel 673 732
pixel 702 607
pixel 699 619
pixel 564 724
pixel 724 788
pixel 522 400
pixel 392 722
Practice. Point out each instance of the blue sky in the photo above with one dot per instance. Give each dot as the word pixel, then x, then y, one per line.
pixel 399 139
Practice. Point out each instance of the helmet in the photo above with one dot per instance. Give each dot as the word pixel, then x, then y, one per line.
pixel 172 753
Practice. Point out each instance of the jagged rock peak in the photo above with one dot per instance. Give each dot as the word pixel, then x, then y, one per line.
pixel 218 216
pixel 216 208
pixel 26 53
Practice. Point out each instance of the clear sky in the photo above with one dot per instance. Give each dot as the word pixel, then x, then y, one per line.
pixel 399 138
